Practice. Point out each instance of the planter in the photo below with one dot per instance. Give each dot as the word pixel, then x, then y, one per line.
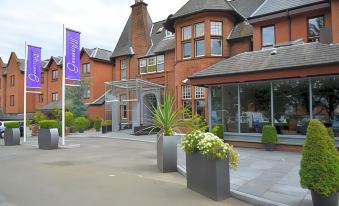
pixel 107 128
pixel 321 200
pixel 12 136
pixel 48 139
pixel 270 147
pixel 97 129
pixel 81 131
pixel 210 178
pixel 167 153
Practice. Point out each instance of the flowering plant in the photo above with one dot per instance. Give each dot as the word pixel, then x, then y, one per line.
pixel 210 146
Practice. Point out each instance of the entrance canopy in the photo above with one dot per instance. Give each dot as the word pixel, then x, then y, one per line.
pixel 129 103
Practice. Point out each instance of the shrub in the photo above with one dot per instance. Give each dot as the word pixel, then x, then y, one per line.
pixel 59 124
pixel 106 122
pixel 12 125
pixel 69 118
pixel 196 122
pixel 39 117
pixel 218 130
pixel 48 124
pixel 269 135
pixel 210 146
pixel 330 132
pixel 81 123
pixel 97 124
pixel 319 170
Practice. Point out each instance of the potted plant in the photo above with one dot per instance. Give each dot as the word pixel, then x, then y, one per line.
pixel 319 167
pixel 167 119
pixel 97 124
pixel 106 126
pixel 269 137
pixel 218 130
pixel 208 160
pixel 48 137
pixel 69 118
pixel 12 133
pixel 81 123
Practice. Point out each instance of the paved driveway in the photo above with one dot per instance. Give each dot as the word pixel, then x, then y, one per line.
pixel 101 172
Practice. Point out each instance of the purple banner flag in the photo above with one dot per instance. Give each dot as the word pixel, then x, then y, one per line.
pixel 33 73
pixel 72 63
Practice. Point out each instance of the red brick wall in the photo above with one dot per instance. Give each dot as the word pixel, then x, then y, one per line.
pixel 335 20
pixel 95 111
pixel 54 85
pixel 240 46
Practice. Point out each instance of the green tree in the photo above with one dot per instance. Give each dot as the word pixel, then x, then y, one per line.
pixel 74 96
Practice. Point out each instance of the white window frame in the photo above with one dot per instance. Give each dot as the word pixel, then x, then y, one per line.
pixel 186 92
pixel 215 29
pixel 203 29
pixel 143 63
pixel 123 68
pixel 184 29
pixel 160 60
pixel 199 92
pixel 154 58
pixel 86 68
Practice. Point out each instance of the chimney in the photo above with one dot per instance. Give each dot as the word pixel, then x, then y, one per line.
pixel 140 33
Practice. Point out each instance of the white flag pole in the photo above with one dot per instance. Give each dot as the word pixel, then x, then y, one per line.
pixel 25 93
pixel 63 84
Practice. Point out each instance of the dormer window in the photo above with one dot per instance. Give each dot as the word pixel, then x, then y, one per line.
pixel 268 36
pixel 168 34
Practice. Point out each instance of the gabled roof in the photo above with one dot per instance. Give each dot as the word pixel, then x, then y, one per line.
pixel 274 6
pixel 158 33
pixel 289 57
pixel 98 54
pixel 243 29
pixel 57 60
pixel 195 6
pixel 164 45
pixel 246 7
pixel 21 63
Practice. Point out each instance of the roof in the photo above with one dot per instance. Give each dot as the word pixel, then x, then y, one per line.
pixel 99 101
pixel 158 33
pixel 243 29
pixel 274 6
pixel 98 54
pixel 246 7
pixel 124 45
pixel 57 60
pixel 289 57
pixel 195 6
pixel 164 45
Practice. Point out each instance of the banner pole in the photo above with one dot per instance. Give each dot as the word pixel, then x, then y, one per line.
pixel 63 85
pixel 25 93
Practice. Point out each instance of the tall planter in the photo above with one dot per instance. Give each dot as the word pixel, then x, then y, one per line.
pixel 210 178
pixel 321 200
pixel 48 139
pixel 167 153
pixel 12 136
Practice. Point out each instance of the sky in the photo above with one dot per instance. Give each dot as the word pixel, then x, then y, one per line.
pixel 39 22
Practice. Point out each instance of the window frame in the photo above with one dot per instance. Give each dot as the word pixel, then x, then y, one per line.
pixel 199 92
pixel 183 33
pixel 203 29
pixel 55 97
pixel 196 48
pixel 221 28
pixel 160 63
pixel 140 60
pixel 183 50
pixel 123 69
pixel 123 107
pixel 55 71
pixel 186 92
pixel 221 47
pixel 12 81
pixel 262 37
pixel 86 68
pixel 154 64
pixel 308 27
pixel 11 100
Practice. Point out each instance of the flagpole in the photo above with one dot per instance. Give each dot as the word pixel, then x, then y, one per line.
pixel 63 84
pixel 25 92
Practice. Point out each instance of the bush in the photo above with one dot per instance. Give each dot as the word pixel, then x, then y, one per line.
pixel 218 130
pixel 97 124
pixel 106 122
pixel 12 125
pixel 48 124
pixel 69 118
pixel 330 132
pixel 81 123
pixel 319 170
pixel 196 122
pixel 269 135
pixel 39 117
pixel 210 146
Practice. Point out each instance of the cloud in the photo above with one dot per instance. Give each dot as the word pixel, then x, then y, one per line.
pixel 40 22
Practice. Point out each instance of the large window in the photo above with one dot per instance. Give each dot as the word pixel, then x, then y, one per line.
pixel 152 64
pixel 314 26
pixel 123 107
pixel 55 74
pixel 55 96
pixel 230 108
pixel 216 47
pixel 11 100
pixel 199 48
pixel 86 68
pixel 291 106
pixel 123 69
pixel 187 50
pixel 325 101
pixel 199 30
pixel 216 105
pixel 186 33
pixel 268 36
pixel 255 107
pixel 216 28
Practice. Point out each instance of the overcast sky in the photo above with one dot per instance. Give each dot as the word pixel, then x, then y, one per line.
pixel 39 22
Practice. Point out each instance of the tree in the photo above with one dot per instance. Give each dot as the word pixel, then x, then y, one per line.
pixel 74 96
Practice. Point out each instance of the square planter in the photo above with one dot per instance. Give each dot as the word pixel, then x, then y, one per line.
pixel 270 147
pixel 48 139
pixel 210 178
pixel 167 153
pixel 106 129
pixel 12 136
pixel 321 200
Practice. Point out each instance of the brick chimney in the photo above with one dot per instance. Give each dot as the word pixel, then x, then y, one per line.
pixel 335 20
pixel 140 34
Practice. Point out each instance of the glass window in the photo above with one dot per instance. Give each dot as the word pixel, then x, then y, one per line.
pixel 230 108
pixel 199 30
pixel 11 100
pixel 199 92
pixel 187 92
pixel 216 28
pixel 168 34
pixel 326 102
pixel 12 81
pixel 55 97
pixel 160 63
pixel 87 93
pixel 123 68
pixel 216 47
pixel 86 69
pixel 199 48
pixel 55 74
pixel 314 26
pixel 187 50
pixel 200 107
pixel 143 66
pixel 255 107
pixel 216 105
pixel 41 98
pixel 187 105
pixel 187 33
pixel 268 36
pixel 123 106
pixel 151 65
pixel 291 106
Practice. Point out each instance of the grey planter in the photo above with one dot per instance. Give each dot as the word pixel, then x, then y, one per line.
pixel 12 136
pixel 210 178
pixel 321 200
pixel 48 139
pixel 167 153
pixel 270 147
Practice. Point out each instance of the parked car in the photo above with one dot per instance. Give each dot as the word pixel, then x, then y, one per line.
pixel 2 129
